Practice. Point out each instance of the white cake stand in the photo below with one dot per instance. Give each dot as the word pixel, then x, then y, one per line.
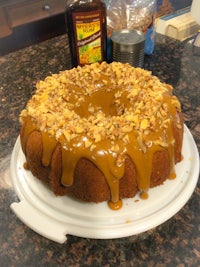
pixel 55 217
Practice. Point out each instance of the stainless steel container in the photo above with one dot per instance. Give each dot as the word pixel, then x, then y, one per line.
pixel 128 47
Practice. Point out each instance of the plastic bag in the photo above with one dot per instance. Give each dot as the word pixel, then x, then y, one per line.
pixel 135 15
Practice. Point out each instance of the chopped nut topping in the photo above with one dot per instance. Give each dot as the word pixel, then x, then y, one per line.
pixel 102 101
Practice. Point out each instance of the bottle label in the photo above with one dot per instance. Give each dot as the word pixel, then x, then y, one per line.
pixel 88 36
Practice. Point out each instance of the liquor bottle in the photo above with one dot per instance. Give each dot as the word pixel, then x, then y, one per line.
pixel 86 28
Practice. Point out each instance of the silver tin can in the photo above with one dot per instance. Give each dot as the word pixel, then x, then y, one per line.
pixel 128 47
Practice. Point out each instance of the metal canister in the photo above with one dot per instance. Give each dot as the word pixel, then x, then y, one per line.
pixel 128 47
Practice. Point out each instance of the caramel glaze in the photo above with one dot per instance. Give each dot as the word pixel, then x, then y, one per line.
pixel 111 163
pixel 104 159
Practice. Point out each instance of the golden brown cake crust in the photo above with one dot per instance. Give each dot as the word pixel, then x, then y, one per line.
pixel 89 182
pixel 96 155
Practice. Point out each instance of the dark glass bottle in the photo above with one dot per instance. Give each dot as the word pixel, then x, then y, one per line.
pixel 86 28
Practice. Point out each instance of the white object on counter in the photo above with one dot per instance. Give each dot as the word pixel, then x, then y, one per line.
pixel 195 10
pixel 179 25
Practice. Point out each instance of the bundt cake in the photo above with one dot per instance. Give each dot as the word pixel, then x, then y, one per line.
pixel 102 132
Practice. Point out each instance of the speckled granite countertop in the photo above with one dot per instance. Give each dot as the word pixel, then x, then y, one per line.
pixel 174 243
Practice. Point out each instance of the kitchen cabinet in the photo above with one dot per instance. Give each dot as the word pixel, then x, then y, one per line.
pixel 28 17
pixel 17 13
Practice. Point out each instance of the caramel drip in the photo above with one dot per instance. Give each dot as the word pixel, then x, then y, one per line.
pixel 143 166
pixel 115 205
pixel 172 176
pixel 28 129
pixel 144 195
pixel 143 163
pixel 169 134
pixel 111 171
pixel 171 151
pixel 48 145
pixel 25 165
